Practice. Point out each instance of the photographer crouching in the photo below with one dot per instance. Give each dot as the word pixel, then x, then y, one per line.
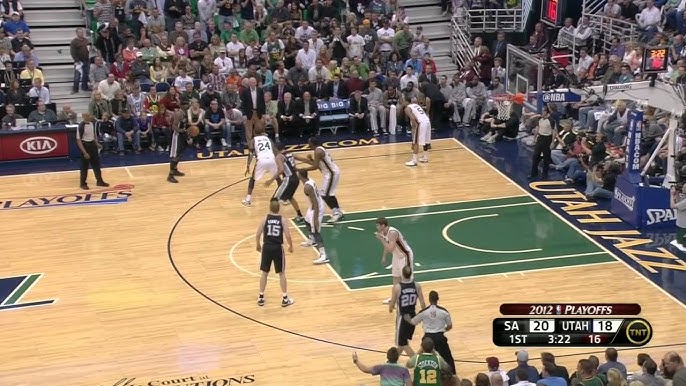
pixel 601 179
pixel 678 202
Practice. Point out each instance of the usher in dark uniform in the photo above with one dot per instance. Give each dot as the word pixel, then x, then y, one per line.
pixel 407 302
pixel 290 182
pixel 272 244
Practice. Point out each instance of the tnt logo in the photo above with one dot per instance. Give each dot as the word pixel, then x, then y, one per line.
pixel 638 332
pixel 38 145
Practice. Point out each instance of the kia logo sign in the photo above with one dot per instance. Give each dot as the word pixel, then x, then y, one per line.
pixel 38 145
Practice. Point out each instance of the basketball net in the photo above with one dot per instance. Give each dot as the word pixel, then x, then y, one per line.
pixel 503 103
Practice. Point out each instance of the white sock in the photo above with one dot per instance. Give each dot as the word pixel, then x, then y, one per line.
pixel 426 154
pixel 285 295
pixel 414 158
pixel 248 197
pixel 322 251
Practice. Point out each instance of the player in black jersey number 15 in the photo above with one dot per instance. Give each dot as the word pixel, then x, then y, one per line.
pixel 269 242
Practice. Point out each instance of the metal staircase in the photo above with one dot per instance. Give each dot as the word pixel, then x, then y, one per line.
pixel 53 24
pixel 605 28
pixel 476 21
pixel 427 13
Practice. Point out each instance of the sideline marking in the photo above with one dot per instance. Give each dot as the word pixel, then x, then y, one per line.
pixel 447 238
pixel 233 261
pixel 462 278
pixel 442 211
pixel 209 160
pixel 382 208
pixel 569 223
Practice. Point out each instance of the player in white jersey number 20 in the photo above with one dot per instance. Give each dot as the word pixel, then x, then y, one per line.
pixel 265 152
pixel 313 216
pixel 421 132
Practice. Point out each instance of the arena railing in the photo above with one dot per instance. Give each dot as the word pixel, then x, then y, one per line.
pixel 461 42
pixel 605 28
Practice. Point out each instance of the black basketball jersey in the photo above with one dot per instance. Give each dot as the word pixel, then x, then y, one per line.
pixel 407 300
pixel 289 166
pixel 273 230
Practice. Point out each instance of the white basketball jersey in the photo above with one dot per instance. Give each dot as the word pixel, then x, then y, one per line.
pixel 136 103
pixel 318 196
pixel 419 113
pixel 402 248
pixel 263 148
pixel 326 165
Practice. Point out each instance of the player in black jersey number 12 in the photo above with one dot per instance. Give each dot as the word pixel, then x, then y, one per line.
pixel 269 241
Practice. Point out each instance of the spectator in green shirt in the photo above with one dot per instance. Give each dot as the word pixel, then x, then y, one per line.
pixel 227 32
pixel 248 35
pixel 403 41
pixel 361 68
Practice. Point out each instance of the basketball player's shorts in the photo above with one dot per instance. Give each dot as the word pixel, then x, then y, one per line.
pixel 287 189
pixel 400 260
pixel 272 254
pixel 403 330
pixel 177 145
pixel 264 166
pixel 329 184
pixel 422 136
pixel 309 218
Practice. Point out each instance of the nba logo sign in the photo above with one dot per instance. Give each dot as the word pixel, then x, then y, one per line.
pixel 558 309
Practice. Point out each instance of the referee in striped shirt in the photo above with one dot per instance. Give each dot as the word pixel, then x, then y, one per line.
pixel 87 141
pixel 436 321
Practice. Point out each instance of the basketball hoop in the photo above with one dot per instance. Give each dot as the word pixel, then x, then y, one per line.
pixel 504 102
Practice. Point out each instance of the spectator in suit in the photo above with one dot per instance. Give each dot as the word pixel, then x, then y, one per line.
pixel 499 47
pixel 280 89
pixel 358 112
pixel 428 76
pixel 288 113
pixel 319 89
pixel 252 105
pixel 309 115
pixel 337 89
pixel 435 99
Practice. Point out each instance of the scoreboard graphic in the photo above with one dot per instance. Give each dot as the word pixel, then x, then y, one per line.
pixel 548 325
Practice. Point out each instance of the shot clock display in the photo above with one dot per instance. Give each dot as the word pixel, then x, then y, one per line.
pixel 553 11
pixel 655 60
pixel 619 332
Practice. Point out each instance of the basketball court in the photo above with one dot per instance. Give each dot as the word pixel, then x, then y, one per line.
pixel 156 283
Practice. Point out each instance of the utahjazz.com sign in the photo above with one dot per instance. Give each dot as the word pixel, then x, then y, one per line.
pixel 112 195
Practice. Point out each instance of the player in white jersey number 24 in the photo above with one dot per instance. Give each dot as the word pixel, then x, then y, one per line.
pixel 265 152
pixel 421 132
pixel 393 242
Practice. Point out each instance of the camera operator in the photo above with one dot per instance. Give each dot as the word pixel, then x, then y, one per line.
pixel 601 179
pixel 593 152
pixel 678 202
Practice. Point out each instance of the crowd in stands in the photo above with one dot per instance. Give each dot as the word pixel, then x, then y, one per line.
pixel 298 52
pixel 670 371
pixel 24 86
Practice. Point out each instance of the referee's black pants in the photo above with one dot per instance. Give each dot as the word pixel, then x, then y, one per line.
pixel 93 161
pixel 442 348
pixel 541 151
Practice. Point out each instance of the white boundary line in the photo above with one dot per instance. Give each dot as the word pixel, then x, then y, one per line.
pixel 442 211
pixel 335 274
pixel 384 208
pixel 551 210
pixel 495 263
pixel 201 160
pixel 461 279
pixel 233 261
pixel 447 238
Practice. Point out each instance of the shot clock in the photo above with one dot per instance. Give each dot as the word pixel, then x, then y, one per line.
pixel 655 60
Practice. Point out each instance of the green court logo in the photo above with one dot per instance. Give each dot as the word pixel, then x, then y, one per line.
pixel 13 289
